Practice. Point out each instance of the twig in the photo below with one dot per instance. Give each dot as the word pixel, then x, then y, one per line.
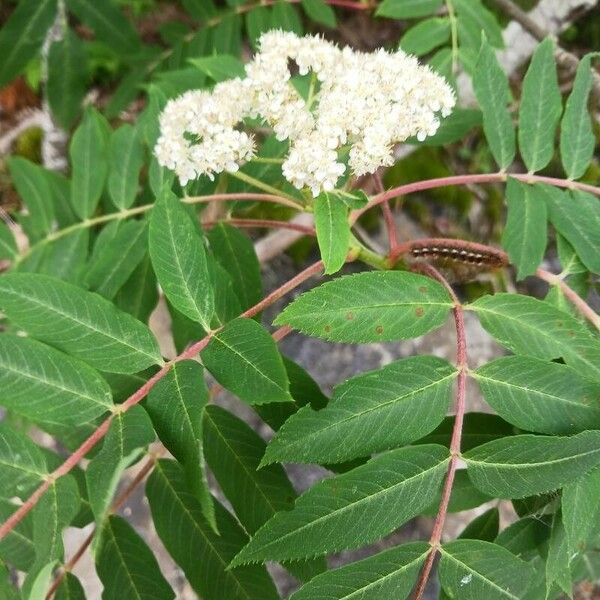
pixel 388 216
pixel 137 396
pixel 262 223
pixel 455 442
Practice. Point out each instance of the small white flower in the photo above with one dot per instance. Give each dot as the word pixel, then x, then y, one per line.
pixel 370 102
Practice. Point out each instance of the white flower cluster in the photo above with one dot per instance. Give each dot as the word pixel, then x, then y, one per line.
pixel 369 102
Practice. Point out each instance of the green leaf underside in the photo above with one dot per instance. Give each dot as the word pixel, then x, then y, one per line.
pixel 370 307
pixel 491 88
pixel 524 465
pixel 127 567
pixel 47 386
pixel 484 527
pixel 577 138
pixel 558 571
pixel 195 547
pixel 78 322
pixel 576 216
pixel 70 589
pixel 535 328
pixel 179 260
pixel 524 536
pixel 127 436
pixel 244 359
pixel 540 108
pixel 474 569
pixel 22 464
pixel 540 396
pixel 389 574
pixel 333 231
pixel 525 235
pixel 383 409
pixel 352 509
pixel 176 407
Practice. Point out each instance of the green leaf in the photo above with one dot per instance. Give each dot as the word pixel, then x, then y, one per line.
pixel 372 412
pixel 23 34
pixel 453 128
pixel 352 509
pixel 179 260
pixel 22 464
pixel 540 109
pixel 67 76
pixel 525 536
pixel 111 267
pixel 285 16
pixel 202 555
pixel 491 88
pixel 407 9
pixel 8 246
pixel 108 24
pixel 89 164
pixel 32 186
pixel 525 234
pixel 17 547
pixel 320 12
pixel 465 496
pixel 576 216
pixel 233 452
pixel 47 386
pixel 37 583
pixel 577 138
pixel 65 257
pixel 557 564
pixel 535 328
pixel 333 231
pixel 484 527
pixel 221 67
pixel 370 307
pixel 426 35
pixel 541 396
pixel 7 589
pixel 581 509
pixel 176 407
pixel 129 433
pixel 474 17
pixel 139 295
pixel 389 574
pixel 78 322
pixel 478 428
pixel 54 511
pixel 126 157
pixel 474 569
pixel 70 589
pixel 126 566
pixel 258 20
pixel 234 251
pixel 244 359
pixel 523 465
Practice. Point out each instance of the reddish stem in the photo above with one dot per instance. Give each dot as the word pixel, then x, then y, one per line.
pixel 137 396
pixel 578 302
pixel 388 216
pixel 258 223
pixel 429 184
pixel 455 441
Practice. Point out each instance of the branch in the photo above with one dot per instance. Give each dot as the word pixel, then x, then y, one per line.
pixel 262 223
pixel 460 406
pixel 139 395
pixel 388 216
